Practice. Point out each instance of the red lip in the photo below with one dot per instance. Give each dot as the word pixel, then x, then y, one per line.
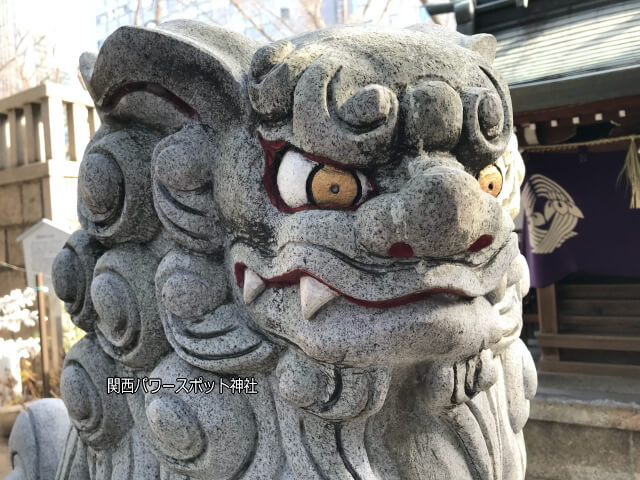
pixel 293 278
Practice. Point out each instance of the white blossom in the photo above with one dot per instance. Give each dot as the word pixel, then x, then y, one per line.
pixel 20 347
pixel 14 311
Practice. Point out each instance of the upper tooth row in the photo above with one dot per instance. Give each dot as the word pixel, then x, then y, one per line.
pixel 313 294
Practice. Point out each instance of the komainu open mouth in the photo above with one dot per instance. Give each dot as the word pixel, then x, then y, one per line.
pixel 315 293
pixel 329 277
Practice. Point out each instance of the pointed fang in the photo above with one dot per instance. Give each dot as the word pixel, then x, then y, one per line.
pixel 253 286
pixel 313 296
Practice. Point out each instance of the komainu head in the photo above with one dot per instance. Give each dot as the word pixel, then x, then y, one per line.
pixel 330 213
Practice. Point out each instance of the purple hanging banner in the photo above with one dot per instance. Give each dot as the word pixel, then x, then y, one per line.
pixel 577 217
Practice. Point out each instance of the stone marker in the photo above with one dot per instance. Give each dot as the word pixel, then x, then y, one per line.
pixel 297 261
pixel 40 244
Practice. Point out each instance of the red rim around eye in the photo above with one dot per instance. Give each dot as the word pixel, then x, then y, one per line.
pixel 274 151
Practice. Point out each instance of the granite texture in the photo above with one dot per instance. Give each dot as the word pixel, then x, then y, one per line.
pixel 298 258
pixel 37 440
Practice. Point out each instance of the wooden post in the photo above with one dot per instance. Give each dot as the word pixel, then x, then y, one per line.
pixel 72 128
pixel 44 347
pixel 52 114
pixel 548 316
pixel 4 131
pixel 53 320
pixel 41 153
pixel 13 138
pixel 30 135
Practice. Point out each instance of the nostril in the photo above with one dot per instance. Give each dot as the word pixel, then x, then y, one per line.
pixel 400 250
pixel 483 241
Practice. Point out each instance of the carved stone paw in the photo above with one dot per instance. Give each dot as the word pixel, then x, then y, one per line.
pixel 328 391
pixel 444 384
pixel 475 375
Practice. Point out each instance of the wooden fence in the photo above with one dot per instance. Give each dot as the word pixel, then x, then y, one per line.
pixel 46 122
pixel 43 133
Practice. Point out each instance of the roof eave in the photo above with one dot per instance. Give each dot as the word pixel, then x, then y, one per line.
pixel 575 90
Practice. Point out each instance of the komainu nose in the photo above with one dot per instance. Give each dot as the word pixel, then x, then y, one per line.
pixel 439 212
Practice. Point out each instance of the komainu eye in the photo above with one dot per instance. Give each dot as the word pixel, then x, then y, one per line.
pixel 303 182
pixel 490 180
pixel 330 187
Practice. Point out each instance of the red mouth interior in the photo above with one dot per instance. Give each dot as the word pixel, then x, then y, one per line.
pixel 293 278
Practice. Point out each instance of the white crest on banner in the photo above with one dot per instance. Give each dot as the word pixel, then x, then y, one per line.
pixel 550 228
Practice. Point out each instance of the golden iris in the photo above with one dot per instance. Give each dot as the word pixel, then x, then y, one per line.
pixel 331 187
pixel 490 180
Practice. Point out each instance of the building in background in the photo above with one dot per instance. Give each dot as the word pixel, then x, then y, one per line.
pixel 573 73
pixel 41 41
pixel 573 68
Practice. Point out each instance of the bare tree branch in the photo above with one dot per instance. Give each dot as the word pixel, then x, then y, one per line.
pixel 18 62
pixel 20 40
pixel 136 16
pixel 7 63
pixel 204 13
pixel 158 12
pixel 320 19
pixel 314 11
pixel 386 7
pixel 366 7
pixel 246 16
pixel 23 77
pixel 277 18
pixel 16 54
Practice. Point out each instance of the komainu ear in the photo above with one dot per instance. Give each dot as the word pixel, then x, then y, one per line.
pixel 483 44
pixel 198 69
pixel 86 64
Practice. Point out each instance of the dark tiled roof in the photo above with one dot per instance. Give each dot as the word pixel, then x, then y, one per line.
pixel 595 40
